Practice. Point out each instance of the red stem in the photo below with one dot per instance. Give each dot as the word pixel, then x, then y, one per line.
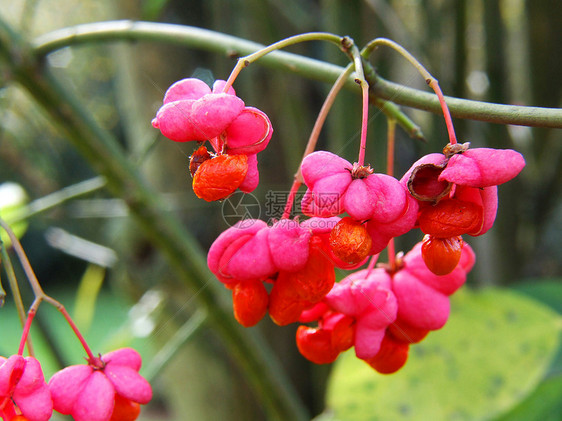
pixel 390 249
pixel 390 146
pixel 313 138
pixel 291 199
pixel 240 64
pixel 372 264
pixel 429 79
pixel 26 328
pixel 364 122
pixel 448 120
pixel 39 296
pixel 74 328
pixel 390 142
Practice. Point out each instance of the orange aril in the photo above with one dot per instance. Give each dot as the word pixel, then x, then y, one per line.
pixel 219 177
pixel 250 300
pixel 450 217
pixel 441 255
pixel 350 240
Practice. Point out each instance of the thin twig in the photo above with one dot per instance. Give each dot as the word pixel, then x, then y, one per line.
pixel 204 39
pixel 14 288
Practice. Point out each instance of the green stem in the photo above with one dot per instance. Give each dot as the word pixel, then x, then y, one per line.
pixel 469 109
pixel 204 39
pixel 249 59
pixel 391 110
pixel 390 145
pixel 14 287
pixel 20 252
pixel 164 229
pixel 314 69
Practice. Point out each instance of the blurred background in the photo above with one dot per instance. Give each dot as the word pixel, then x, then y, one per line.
pixel 89 252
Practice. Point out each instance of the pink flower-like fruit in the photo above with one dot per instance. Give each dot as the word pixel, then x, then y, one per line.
pixel 457 190
pixel 335 333
pixel 110 383
pixel 293 256
pixel 357 312
pixel 23 390
pixel 381 312
pixel 369 300
pixel 457 194
pixel 423 297
pixel 193 112
pixel 336 186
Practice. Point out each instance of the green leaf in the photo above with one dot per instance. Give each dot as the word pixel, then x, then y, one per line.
pixel 548 291
pixel 492 353
pixel 543 404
